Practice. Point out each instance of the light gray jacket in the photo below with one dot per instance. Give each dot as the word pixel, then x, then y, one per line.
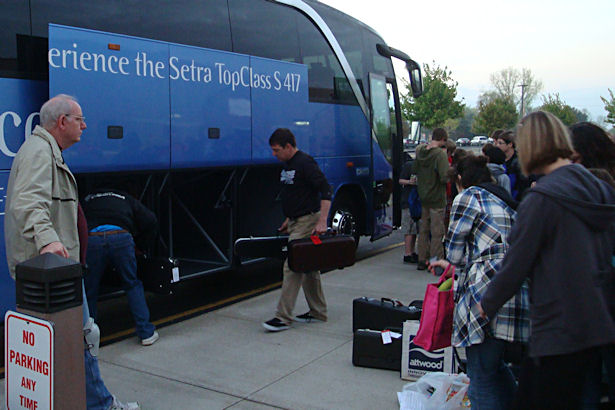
pixel 499 174
pixel 41 201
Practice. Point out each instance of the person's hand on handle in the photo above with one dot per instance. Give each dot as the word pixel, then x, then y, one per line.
pixel 441 263
pixel 321 227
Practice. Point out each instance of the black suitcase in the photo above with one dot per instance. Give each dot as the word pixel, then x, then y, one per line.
pixel 369 351
pixel 379 314
pixel 262 247
pixel 321 253
pixel 158 273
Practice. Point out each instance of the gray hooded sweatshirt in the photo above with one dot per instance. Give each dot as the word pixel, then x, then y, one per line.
pixel 562 240
pixel 498 172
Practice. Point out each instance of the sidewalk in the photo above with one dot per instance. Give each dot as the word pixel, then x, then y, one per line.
pixel 225 359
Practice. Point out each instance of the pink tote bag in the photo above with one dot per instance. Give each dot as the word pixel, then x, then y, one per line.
pixel 436 325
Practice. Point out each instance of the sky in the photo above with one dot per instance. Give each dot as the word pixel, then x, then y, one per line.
pixel 568 45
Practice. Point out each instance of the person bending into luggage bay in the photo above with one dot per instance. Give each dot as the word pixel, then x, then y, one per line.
pixel 114 217
pixel 306 199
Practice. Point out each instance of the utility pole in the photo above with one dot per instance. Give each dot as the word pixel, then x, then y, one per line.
pixel 522 95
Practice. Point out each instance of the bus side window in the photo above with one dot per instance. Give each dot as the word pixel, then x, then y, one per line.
pixel 264 29
pixel 192 22
pixel 326 79
pixel 15 22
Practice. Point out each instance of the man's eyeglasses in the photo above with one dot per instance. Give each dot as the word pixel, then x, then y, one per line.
pixel 79 118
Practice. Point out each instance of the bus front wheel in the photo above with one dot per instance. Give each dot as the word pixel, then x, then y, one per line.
pixel 344 220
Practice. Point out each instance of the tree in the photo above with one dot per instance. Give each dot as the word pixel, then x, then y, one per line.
pixel 509 81
pixel 556 106
pixel 609 106
pixel 450 126
pixel 437 104
pixel 499 112
pixel 582 115
pixel 464 127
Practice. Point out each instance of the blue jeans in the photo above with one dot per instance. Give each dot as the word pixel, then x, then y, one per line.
pixel 118 251
pixel 96 393
pixel 492 385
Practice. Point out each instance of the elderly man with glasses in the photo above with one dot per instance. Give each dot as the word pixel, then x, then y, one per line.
pixel 41 216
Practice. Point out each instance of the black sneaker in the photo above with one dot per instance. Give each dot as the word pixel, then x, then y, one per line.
pixel 307 318
pixel 407 258
pixel 421 266
pixel 275 325
pixel 414 258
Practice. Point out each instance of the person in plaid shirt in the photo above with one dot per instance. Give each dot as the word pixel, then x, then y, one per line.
pixel 477 240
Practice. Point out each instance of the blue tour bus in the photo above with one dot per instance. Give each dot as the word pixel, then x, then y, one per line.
pixel 181 97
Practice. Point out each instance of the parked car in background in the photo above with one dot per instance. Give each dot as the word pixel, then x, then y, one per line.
pixel 490 141
pixel 462 142
pixel 479 140
pixel 410 144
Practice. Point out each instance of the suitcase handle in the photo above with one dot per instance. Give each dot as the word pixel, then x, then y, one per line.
pixel 316 240
pixel 394 302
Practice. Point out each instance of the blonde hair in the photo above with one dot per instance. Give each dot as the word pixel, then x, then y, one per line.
pixel 541 140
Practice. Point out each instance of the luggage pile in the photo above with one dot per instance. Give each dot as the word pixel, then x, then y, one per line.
pixel 383 331
pixel 377 325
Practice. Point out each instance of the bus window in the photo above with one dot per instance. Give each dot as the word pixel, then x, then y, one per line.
pixel 265 30
pixel 327 81
pixel 378 64
pixel 15 22
pixel 192 22
pixel 349 35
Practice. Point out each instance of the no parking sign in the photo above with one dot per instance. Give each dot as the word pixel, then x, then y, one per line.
pixel 28 358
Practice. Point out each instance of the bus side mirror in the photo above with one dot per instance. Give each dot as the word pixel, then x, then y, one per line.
pixel 416 80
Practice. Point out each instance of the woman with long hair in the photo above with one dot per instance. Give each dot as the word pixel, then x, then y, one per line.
pixel 562 241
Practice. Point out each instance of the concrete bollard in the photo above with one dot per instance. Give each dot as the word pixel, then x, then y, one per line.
pixel 49 287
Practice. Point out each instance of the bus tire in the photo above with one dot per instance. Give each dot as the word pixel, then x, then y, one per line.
pixel 344 218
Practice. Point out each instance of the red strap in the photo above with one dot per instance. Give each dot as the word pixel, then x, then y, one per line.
pixel 315 240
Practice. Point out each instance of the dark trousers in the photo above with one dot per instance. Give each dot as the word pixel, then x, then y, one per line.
pixel 118 251
pixel 554 382
pixel 593 383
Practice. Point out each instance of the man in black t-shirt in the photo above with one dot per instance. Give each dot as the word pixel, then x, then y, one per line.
pixel 116 221
pixel 306 200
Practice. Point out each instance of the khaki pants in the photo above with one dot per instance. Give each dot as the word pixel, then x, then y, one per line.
pixel 432 222
pixel 299 228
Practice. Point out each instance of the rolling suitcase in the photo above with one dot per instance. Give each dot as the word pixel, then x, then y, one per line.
pixel 319 253
pixel 262 247
pixel 368 350
pixel 372 313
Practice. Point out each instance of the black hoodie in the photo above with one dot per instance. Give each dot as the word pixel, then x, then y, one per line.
pixel 562 240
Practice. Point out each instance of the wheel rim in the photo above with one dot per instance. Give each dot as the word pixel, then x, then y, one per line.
pixel 344 222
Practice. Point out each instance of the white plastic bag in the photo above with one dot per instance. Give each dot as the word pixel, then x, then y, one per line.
pixel 436 390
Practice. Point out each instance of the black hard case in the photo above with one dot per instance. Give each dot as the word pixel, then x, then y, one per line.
pixel 334 252
pixel 369 351
pixel 380 314
pixel 157 273
pixel 262 247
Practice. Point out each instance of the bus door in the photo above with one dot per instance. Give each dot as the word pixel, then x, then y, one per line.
pixel 386 154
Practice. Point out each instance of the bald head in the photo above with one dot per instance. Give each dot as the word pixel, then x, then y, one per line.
pixel 52 109
pixel 62 117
